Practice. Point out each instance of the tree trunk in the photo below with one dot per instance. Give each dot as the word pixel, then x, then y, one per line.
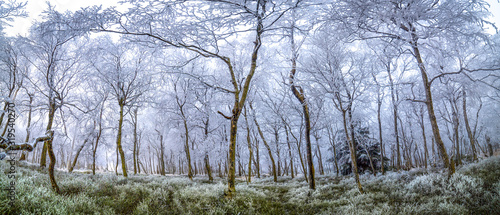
pixel 429 103
pixel 276 139
pixel 299 94
pixel 208 169
pixel 273 164
pixel 353 146
pixel 331 137
pixel 289 152
pixel 395 119
pixel 48 147
pixel 426 152
pixel 23 155
pixel 186 148
pixel 320 159
pixel 382 153
pixel 458 160
pixel 119 139
pixel 250 151
pixel 94 151
pixel 467 127
pixel 134 153
pixel 75 159
pixel 488 143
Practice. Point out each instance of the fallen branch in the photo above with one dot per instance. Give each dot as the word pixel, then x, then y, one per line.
pixel 9 145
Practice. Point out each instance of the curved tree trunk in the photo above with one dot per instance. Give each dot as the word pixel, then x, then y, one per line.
pixel 48 145
pixel 119 140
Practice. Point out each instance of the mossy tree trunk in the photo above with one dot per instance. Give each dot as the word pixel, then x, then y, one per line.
pixel 121 102
pixel 48 145
pixel 428 96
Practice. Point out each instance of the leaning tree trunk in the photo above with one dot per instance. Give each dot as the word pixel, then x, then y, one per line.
pixel 72 165
pixel 429 103
pixel 268 150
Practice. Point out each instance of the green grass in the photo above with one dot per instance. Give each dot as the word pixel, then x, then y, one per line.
pixel 474 189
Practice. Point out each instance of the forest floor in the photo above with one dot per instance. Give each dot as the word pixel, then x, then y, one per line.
pixel 474 189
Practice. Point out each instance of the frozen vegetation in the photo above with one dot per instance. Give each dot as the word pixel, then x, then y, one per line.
pixel 474 189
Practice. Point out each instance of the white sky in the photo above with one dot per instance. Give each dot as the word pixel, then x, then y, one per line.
pixel 35 8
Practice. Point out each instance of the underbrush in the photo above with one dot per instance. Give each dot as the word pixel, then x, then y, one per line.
pixel 474 189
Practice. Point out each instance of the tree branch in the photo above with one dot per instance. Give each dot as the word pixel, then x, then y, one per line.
pixel 227 117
